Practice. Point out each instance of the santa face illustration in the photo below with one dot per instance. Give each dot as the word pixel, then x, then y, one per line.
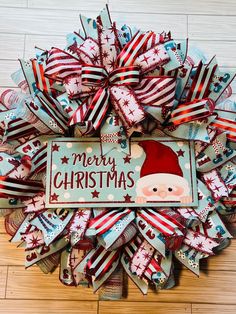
pixel 161 177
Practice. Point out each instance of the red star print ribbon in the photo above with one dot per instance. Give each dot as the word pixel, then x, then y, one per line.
pixel 79 224
pixel 148 268
pixel 141 258
pixel 200 242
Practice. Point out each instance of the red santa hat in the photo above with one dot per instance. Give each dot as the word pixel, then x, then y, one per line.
pixel 160 166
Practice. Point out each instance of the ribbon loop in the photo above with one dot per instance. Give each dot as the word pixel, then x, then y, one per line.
pixel 61 64
pixel 195 110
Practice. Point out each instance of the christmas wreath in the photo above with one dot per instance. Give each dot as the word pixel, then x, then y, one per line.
pixel 119 85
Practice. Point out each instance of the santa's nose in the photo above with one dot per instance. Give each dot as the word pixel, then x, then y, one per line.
pixel 162 194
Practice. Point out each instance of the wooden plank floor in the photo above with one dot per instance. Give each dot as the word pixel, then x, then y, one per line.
pixel 211 25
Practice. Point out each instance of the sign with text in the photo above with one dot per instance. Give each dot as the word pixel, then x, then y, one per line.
pixel 157 172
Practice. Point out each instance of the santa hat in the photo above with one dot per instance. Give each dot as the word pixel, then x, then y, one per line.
pixel 160 166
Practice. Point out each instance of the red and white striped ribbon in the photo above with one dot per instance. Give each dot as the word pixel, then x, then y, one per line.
pixel 98 106
pixel 163 223
pixel 39 160
pixel 50 106
pixel 61 64
pixel 96 109
pixel 156 91
pixel 230 201
pixel 103 222
pixel 153 268
pixel 195 110
pixel 201 82
pixel 96 75
pixel 130 51
pixel 10 187
pixel 132 246
pixel 226 125
pixel 125 76
pixel 79 114
pixel 42 82
pixel 101 261
pixel 18 128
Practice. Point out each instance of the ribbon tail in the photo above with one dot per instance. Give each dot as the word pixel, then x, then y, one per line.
pixel 141 258
pixel 190 258
pixel 101 265
pixel 129 251
pixel 156 91
pixel 113 287
pixel 200 242
pixel 59 70
pixel 106 220
pixel 108 239
pixel 153 236
pixel 95 110
pixel 166 224
pixel 66 273
pixel 113 135
pixel 89 116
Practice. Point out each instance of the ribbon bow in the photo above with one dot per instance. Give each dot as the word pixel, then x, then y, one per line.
pixel 104 73
pixel 114 86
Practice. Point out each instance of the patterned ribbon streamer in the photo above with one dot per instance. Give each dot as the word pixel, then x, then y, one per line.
pixel 101 261
pixel 165 224
pixel 10 187
pixel 103 222
pixel 192 111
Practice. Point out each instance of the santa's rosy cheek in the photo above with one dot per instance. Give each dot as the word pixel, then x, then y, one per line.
pixel 146 191
pixel 178 191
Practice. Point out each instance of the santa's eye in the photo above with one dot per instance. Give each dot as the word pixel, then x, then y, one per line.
pixel 170 189
pixel 154 189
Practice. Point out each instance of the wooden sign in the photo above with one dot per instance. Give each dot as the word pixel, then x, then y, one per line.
pixel 157 172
